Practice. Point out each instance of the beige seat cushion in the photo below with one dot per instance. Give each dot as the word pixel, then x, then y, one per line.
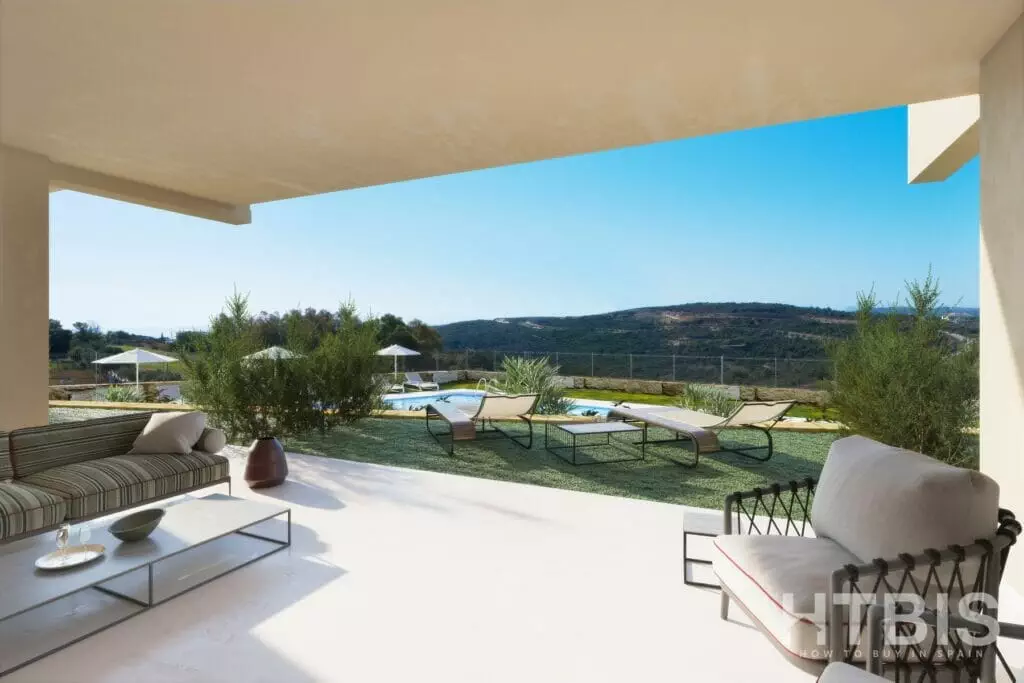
pixel 111 484
pixel 25 508
pixel 776 578
pixel 879 501
pixel 170 433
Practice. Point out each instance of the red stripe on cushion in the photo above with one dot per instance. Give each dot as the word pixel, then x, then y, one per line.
pixel 755 582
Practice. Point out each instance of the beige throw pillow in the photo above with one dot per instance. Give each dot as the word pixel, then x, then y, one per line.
pixel 170 433
pixel 212 441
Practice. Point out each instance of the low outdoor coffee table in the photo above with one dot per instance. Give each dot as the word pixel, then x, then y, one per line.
pixel 583 430
pixel 178 556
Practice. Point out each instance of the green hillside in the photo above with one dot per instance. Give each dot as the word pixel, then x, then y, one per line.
pixel 698 329
pixel 734 343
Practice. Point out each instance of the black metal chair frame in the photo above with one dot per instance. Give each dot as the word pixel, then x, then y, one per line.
pixel 903 661
pixel 680 436
pixel 481 429
pixel 785 509
pixel 522 440
pixel 745 452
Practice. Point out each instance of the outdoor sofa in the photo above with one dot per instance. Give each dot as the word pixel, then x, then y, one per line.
pixel 803 560
pixel 701 429
pixel 80 470
pixel 461 425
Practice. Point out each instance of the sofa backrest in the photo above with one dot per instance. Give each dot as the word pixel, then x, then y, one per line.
pixel 6 468
pixel 878 501
pixel 35 449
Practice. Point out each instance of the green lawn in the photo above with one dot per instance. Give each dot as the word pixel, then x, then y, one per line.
pixel 805 411
pixel 405 443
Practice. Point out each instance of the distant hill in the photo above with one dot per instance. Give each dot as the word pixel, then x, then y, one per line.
pixel 953 311
pixel 698 329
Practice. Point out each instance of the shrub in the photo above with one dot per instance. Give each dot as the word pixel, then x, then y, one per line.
pixel 344 364
pixel 706 399
pixel 150 394
pixel 903 381
pixel 260 398
pixel 59 394
pixel 123 393
pixel 533 376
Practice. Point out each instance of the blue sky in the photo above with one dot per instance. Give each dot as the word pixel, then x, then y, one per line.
pixel 805 213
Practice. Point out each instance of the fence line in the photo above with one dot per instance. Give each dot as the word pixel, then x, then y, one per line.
pixel 721 369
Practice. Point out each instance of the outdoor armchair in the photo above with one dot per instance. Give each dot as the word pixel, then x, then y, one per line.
pixel 803 560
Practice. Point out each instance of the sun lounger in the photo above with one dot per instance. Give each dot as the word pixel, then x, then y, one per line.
pixel 445 377
pixel 702 428
pixel 413 379
pixel 387 385
pixel 468 425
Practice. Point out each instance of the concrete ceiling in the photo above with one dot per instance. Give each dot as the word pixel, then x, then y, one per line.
pixel 244 101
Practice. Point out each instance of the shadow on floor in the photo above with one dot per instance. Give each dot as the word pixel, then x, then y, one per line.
pixel 295 490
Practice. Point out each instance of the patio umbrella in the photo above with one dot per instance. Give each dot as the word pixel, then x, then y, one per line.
pixel 274 353
pixel 396 351
pixel 137 357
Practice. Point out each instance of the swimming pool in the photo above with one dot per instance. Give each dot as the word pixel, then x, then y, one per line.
pixel 469 399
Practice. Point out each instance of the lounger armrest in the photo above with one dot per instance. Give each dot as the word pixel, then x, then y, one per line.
pixel 447 411
pixel 781 509
pixel 461 425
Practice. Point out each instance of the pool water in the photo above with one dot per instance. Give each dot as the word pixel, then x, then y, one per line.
pixel 469 400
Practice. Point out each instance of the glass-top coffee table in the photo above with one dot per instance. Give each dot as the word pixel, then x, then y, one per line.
pixel 574 436
pixel 198 540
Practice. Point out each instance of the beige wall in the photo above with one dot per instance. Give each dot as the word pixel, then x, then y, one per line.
pixel 942 136
pixel 245 102
pixel 24 288
pixel 1002 273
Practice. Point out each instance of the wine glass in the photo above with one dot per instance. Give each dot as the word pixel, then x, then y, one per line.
pixel 84 533
pixel 63 533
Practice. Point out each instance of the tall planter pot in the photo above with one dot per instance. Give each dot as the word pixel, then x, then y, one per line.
pixel 266 465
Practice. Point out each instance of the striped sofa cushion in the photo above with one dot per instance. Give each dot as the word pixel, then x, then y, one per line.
pixel 109 484
pixel 6 468
pixel 27 508
pixel 35 449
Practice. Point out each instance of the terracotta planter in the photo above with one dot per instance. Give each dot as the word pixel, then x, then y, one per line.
pixel 266 465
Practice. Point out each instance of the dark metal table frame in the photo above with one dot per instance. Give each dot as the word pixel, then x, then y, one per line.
pixel 149 602
pixel 573 446
pixel 677 438
pixel 687 560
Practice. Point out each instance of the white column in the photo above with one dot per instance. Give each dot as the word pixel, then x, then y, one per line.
pixel 1002 274
pixel 24 288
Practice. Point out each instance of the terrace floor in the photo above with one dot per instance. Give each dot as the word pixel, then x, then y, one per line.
pixel 404 575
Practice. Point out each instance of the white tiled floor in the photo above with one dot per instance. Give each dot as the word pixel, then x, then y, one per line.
pixel 399 575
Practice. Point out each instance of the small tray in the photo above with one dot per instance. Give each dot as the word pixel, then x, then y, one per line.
pixel 72 556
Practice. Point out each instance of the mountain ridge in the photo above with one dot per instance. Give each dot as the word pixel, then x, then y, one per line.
pixel 698 328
